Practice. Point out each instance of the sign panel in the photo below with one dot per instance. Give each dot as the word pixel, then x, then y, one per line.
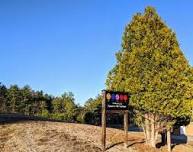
pixel 116 100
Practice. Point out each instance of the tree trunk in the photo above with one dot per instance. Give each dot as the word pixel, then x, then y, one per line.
pixel 169 140
pixel 156 135
pixel 152 131
pixel 147 129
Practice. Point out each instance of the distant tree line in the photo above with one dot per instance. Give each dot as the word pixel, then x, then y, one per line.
pixel 24 100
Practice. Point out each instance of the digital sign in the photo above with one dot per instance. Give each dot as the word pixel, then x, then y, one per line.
pixel 116 100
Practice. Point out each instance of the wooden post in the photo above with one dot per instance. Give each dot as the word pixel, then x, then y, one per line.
pixel 103 139
pixel 126 127
pixel 169 140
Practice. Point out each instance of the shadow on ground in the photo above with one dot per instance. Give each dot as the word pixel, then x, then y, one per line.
pixel 131 143
pixel 175 140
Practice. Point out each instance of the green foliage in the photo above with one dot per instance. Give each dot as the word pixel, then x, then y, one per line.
pixel 92 104
pixel 14 98
pixel 91 112
pixel 57 116
pixel 64 107
pixel 3 98
pixel 35 103
pixel 45 113
pixel 80 114
pixel 182 121
pixel 151 66
pixel 26 99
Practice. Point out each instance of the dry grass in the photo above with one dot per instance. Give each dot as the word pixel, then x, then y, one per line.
pixel 69 137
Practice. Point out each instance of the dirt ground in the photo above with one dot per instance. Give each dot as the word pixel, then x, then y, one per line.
pixel 189 129
pixel 43 136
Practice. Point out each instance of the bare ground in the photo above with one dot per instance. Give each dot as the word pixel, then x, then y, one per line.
pixel 44 136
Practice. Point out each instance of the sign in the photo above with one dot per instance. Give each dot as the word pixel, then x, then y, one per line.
pixel 116 100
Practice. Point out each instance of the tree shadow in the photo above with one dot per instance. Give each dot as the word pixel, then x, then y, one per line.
pixel 160 144
pixel 115 144
pixel 129 145
pixel 175 140
pixel 179 139
pixel 138 142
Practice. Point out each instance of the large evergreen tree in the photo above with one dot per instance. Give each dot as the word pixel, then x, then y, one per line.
pixel 151 66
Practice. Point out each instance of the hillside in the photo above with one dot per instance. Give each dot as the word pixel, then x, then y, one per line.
pixel 44 136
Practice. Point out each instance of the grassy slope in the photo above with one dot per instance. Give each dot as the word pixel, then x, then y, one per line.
pixel 44 136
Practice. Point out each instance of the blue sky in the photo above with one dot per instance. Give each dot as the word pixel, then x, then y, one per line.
pixel 69 45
